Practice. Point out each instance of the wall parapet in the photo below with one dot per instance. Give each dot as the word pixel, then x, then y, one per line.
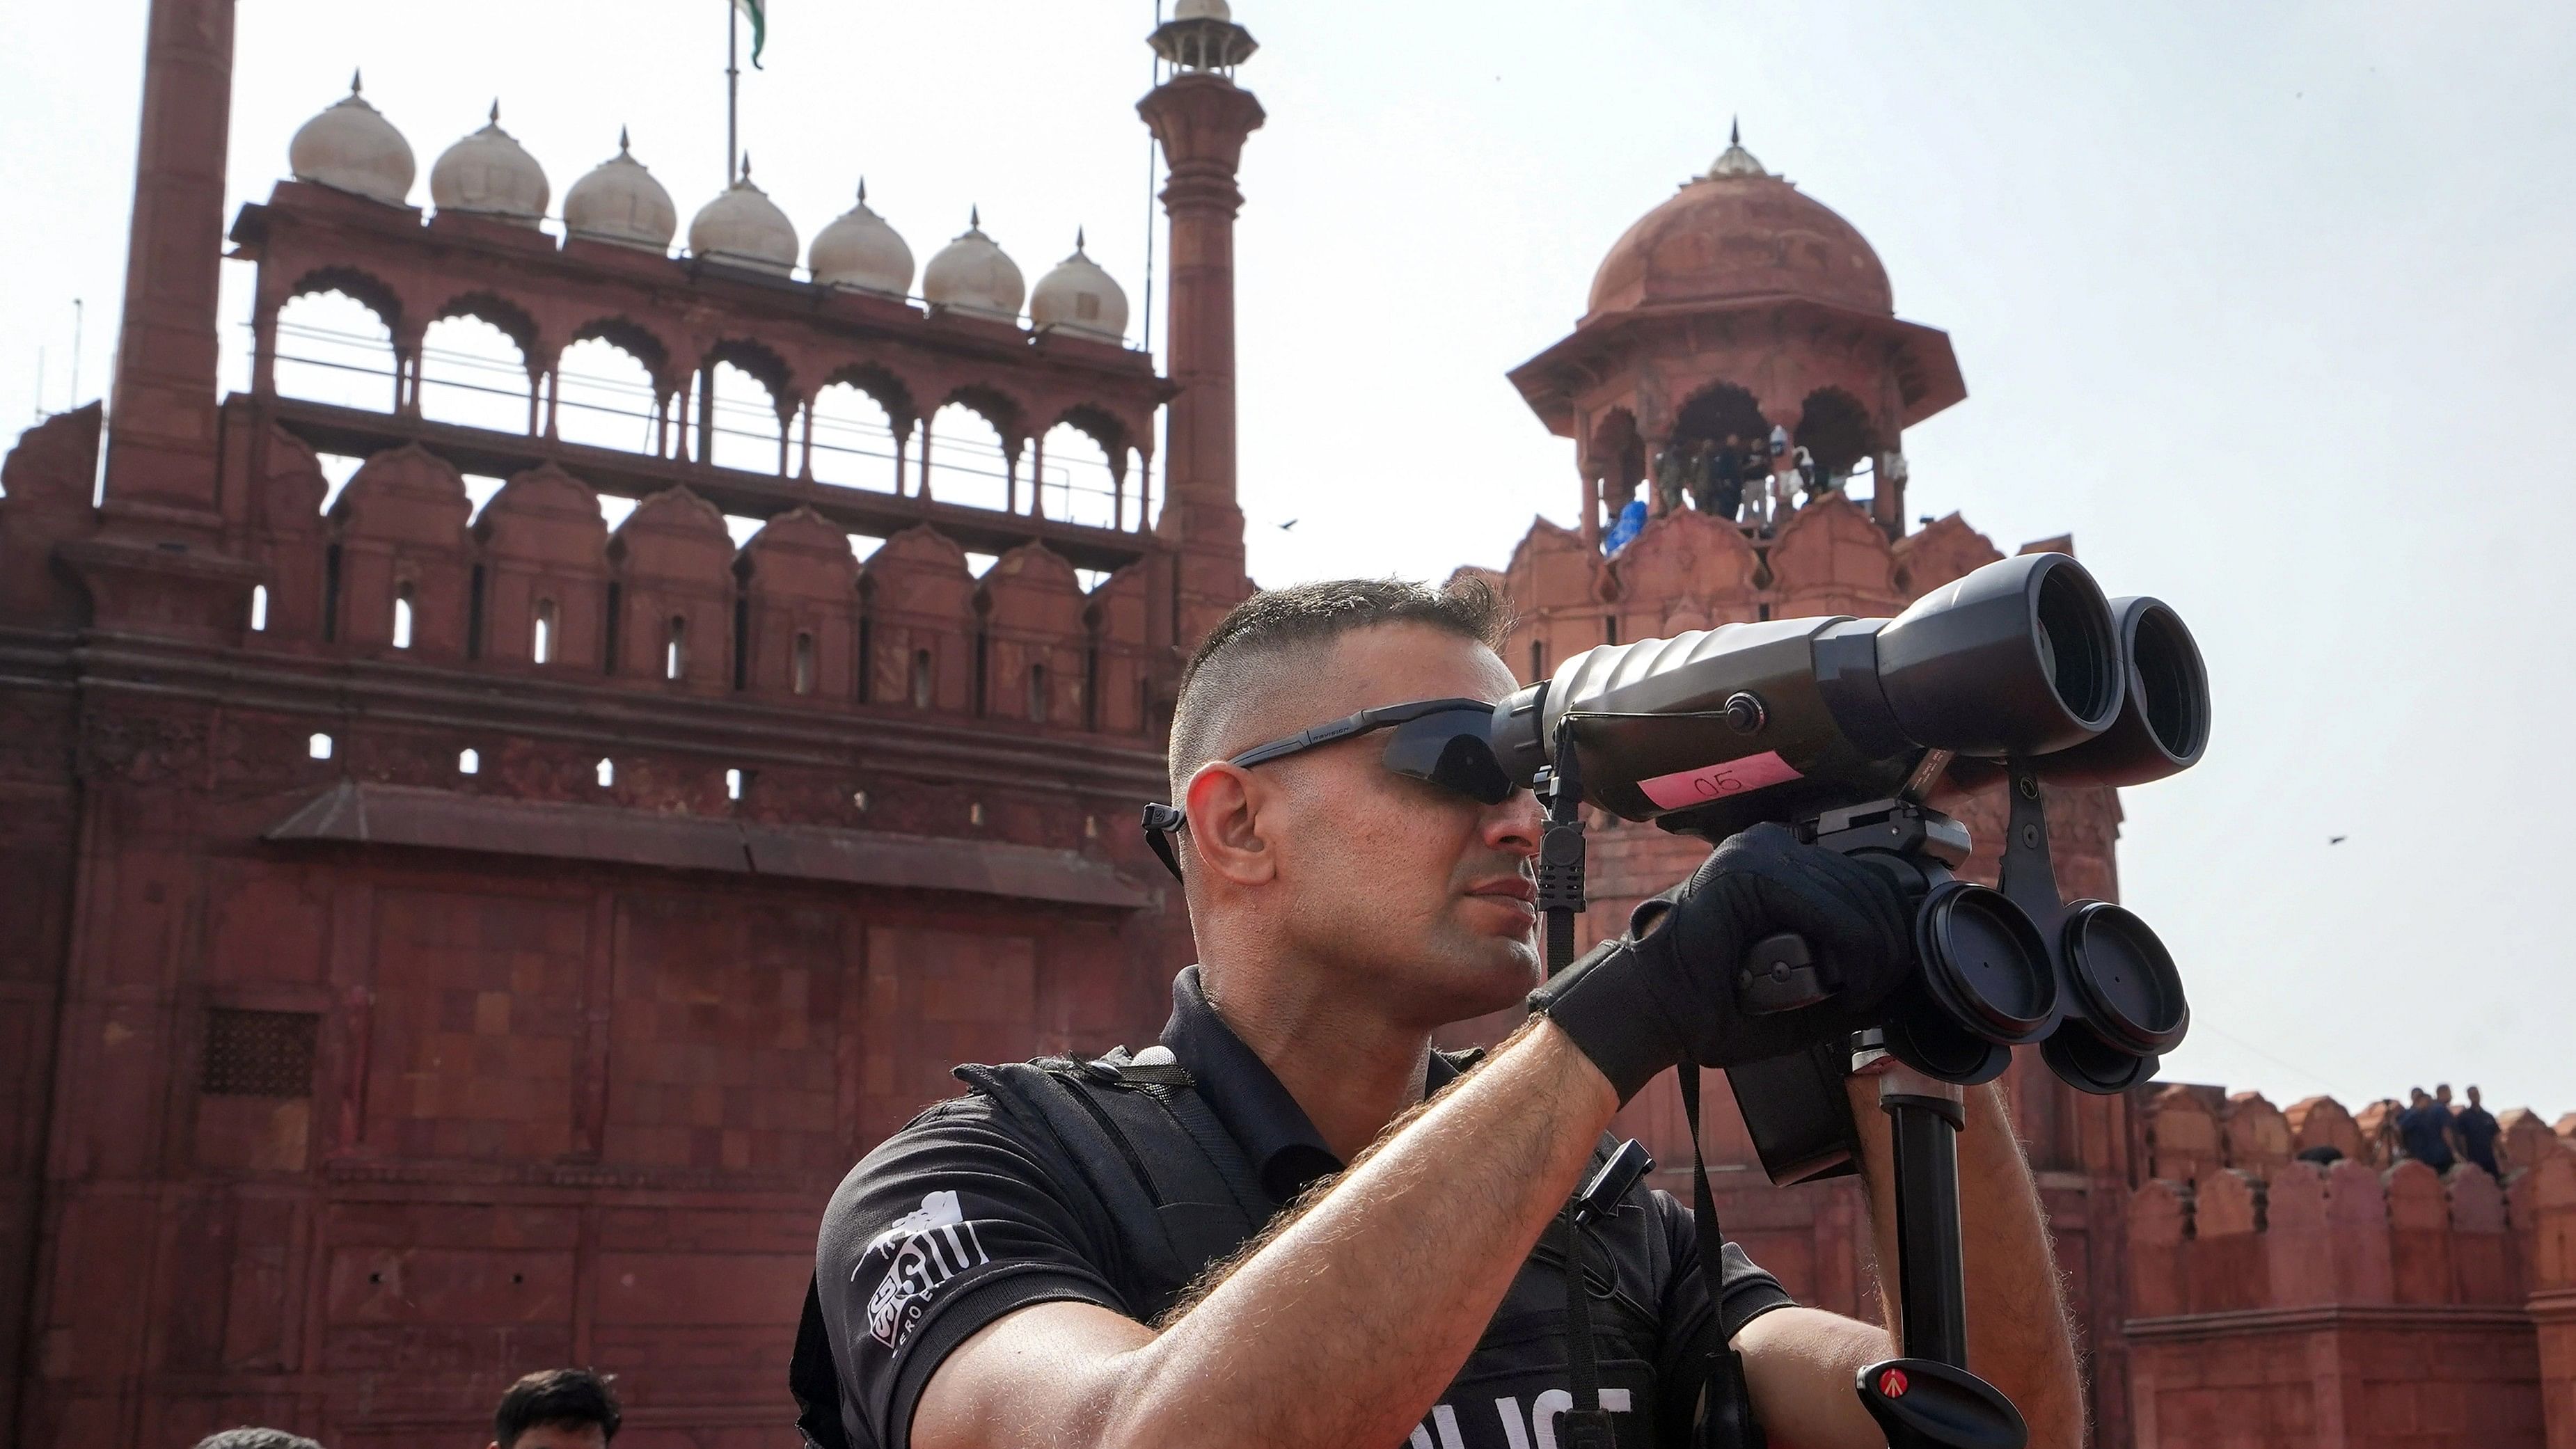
pixel 2361 1301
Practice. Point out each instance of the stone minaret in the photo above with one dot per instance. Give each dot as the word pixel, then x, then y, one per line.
pixel 1201 117
pixel 157 563
pixel 161 412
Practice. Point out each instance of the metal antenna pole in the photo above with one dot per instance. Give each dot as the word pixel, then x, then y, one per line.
pixel 733 90
pixel 76 349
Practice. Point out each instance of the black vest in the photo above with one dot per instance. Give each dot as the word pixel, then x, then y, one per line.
pixel 1180 1192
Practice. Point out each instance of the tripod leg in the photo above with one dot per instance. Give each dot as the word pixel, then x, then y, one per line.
pixel 1931 1272
pixel 1929 1399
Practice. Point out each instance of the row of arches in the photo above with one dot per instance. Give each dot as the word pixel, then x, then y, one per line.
pixel 1835 428
pixel 480 361
pixel 403 566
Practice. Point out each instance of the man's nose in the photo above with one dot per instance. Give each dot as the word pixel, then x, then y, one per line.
pixel 1514 826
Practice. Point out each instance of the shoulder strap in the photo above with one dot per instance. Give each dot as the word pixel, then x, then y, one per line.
pixel 1726 1404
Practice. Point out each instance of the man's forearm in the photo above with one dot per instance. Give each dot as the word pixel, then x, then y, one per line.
pixel 2018 1338
pixel 1346 1324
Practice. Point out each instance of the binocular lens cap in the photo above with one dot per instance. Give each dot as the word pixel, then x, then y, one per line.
pixel 1985 963
pixel 1928 1041
pixel 2084 1061
pixel 2126 979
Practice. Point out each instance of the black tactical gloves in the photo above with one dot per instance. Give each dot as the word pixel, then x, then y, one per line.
pixel 1669 992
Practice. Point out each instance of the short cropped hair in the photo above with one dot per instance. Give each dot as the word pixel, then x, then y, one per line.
pixel 1248 647
pixel 565 1398
pixel 247 1437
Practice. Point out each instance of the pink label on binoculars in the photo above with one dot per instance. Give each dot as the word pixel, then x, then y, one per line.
pixel 1685 788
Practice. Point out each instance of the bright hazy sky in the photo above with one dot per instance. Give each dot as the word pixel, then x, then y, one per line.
pixel 2266 304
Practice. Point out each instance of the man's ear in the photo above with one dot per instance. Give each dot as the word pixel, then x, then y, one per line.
pixel 1223 803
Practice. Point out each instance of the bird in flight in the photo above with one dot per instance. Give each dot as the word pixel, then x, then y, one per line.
pixel 2337 840
pixel 1291 523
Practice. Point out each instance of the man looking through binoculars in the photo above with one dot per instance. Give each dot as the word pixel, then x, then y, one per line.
pixel 1022 1264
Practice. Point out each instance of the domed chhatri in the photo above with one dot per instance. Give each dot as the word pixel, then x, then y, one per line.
pixel 744 228
pixel 351 147
pixel 1079 298
pixel 860 252
pixel 619 201
pixel 971 275
pixel 1740 231
pixel 490 174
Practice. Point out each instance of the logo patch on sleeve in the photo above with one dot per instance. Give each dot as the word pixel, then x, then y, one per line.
pixel 925 1248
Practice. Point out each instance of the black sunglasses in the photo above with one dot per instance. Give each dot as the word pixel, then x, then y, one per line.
pixel 1444 742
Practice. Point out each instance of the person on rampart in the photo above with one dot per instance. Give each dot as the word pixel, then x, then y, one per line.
pixel 2424 1130
pixel 1725 497
pixel 2475 1130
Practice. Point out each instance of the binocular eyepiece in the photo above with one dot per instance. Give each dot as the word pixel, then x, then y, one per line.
pixel 2021 672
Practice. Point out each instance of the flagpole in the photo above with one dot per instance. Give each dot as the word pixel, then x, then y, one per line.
pixel 733 89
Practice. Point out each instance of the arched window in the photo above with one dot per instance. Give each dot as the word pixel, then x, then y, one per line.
pixel 854 439
pixel 1037 694
pixel 258 607
pixel 542 647
pixel 968 461
pixel 606 772
pixel 605 396
pixel 803 664
pixel 1538 660
pixel 675 648
pixel 1078 481
pixel 745 430
pixel 468 763
pixel 921 678
pixel 333 348
pixel 402 615
pixel 472 373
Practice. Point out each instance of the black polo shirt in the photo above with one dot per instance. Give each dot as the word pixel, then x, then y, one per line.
pixel 964 1216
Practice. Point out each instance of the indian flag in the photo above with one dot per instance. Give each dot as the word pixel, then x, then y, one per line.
pixel 758 10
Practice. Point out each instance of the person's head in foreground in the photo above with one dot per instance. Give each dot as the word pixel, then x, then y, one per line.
pixel 557 1409
pixel 247 1437
pixel 1402 890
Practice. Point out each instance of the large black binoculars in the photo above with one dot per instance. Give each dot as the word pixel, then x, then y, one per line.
pixel 1853 731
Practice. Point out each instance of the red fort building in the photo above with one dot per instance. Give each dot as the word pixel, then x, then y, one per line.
pixel 499 814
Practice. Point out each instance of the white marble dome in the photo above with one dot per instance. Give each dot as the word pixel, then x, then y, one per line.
pixel 619 201
pixel 1202 10
pixel 490 174
pixel 1078 297
pixel 859 251
pixel 742 227
pixel 973 276
pixel 351 147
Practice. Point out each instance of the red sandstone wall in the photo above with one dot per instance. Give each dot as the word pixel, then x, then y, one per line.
pixel 549 1109
pixel 2371 1303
